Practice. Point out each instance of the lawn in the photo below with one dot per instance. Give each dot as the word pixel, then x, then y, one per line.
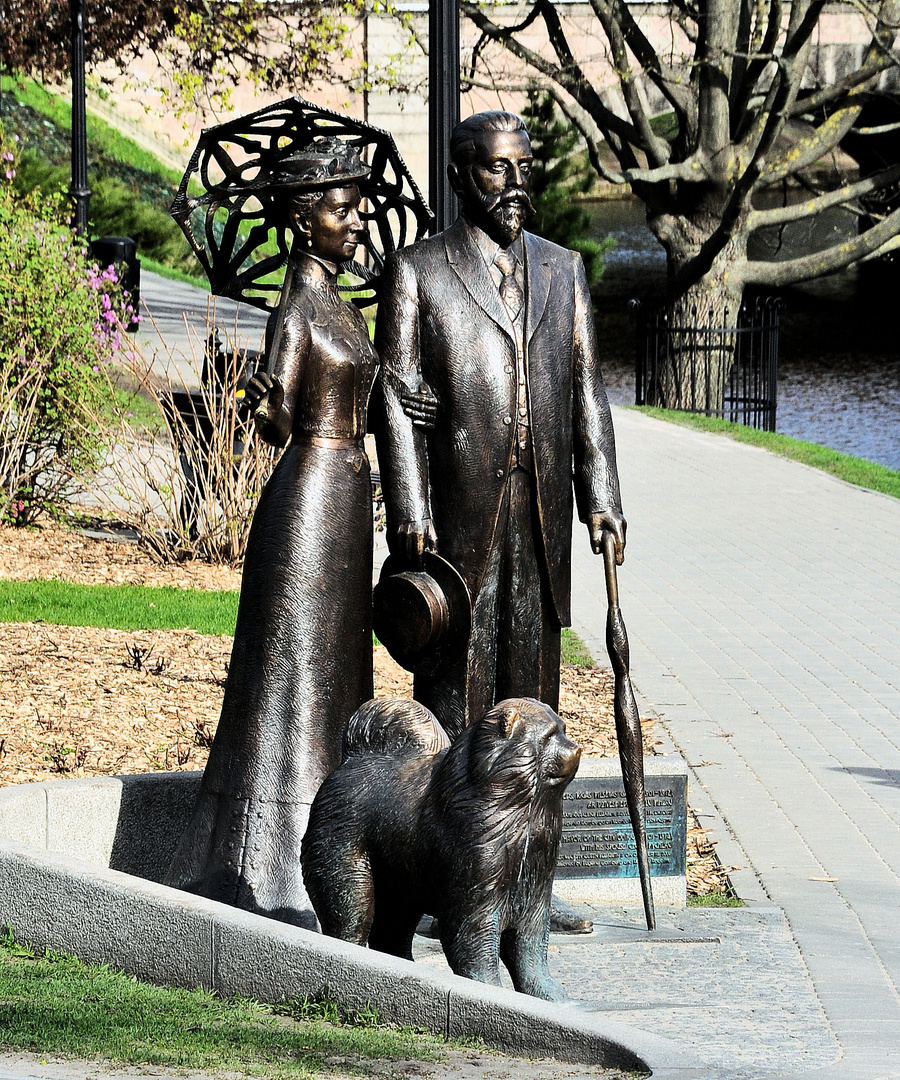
pixel 119 607
pixel 853 470
pixel 143 607
pixel 55 1004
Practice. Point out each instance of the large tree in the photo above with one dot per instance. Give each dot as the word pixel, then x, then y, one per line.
pixel 748 110
pixel 206 46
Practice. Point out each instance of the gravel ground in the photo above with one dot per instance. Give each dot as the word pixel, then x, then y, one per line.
pixel 458 1065
pixel 80 701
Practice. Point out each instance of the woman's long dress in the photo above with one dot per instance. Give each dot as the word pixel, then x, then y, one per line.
pixel 302 657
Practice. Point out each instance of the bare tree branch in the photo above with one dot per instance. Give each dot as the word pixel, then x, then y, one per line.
pixel 816 145
pixel 784 87
pixel 878 129
pixel 577 116
pixel 868 71
pixel 873 241
pixel 690 170
pixel 835 127
pixel 575 84
pixel 667 80
pixel 757 65
pixel 802 32
pixel 657 149
pixel 717 32
pixel 468 82
pixel 758 219
pixel 733 98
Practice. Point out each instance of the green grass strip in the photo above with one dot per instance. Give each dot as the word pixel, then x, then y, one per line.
pixel 172 273
pixel 142 607
pixel 854 470
pixel 55 1004
pixel 121 607
pixel 715 900
pixel 573 649
pixel 102 137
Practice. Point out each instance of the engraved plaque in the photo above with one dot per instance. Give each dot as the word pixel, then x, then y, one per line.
pixel 597 840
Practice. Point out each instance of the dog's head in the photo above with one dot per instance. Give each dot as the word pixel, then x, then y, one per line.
pixel 520 748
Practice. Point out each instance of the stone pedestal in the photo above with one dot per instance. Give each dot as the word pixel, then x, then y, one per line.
pixel 597 857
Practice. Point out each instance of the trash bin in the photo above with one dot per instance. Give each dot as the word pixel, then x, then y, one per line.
pixel 121 252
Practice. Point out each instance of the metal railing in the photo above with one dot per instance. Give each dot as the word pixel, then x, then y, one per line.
pixel 729 372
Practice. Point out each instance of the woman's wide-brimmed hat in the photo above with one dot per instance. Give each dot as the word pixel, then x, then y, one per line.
pixel 422 617
pixel 326 162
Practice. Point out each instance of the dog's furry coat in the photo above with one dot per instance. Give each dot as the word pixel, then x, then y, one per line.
pixel 468 832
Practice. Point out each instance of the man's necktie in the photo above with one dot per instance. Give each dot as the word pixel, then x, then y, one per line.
pixel 510 290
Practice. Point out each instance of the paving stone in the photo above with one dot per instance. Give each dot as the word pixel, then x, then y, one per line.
pixel 780 640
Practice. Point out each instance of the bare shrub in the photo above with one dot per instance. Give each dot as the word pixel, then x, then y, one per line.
pixel 189 484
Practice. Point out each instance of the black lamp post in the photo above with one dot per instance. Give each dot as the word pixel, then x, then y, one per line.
pixel 443 105
pixel 79 189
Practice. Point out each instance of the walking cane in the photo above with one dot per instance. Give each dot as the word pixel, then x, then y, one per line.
pixel 628 724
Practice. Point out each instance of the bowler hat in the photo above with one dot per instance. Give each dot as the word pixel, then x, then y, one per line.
pixel 422 617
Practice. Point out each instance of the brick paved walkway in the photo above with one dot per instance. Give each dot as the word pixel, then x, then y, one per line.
pixel 762 600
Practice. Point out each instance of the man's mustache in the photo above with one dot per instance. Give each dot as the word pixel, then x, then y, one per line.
pixel 511 197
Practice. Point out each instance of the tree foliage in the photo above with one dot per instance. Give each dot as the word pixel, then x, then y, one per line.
pixel 205 45
pixel 751 111
pixel 561 172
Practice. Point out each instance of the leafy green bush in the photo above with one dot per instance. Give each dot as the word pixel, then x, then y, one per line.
pixel 59 333
pixel 561 171
pixel 130 190
pixel 116 209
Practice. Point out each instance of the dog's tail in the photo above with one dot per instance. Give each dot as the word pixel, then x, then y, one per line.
pixel 391 726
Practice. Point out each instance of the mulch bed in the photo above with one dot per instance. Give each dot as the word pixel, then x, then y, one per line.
pixel 81 701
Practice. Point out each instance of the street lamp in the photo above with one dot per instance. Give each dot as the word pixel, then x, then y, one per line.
pixel 79 189
pixel 443 105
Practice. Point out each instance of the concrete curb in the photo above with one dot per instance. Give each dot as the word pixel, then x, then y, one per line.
pixel 170 937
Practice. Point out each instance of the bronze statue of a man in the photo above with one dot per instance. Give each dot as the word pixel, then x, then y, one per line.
pixel 493 401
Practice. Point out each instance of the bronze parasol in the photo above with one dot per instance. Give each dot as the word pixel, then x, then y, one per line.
pixel 236 223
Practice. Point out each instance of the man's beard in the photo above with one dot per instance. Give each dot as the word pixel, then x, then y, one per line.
pixel 504 215
pixel 509 217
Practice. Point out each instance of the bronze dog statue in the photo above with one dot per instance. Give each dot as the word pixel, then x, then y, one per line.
pixel 468 832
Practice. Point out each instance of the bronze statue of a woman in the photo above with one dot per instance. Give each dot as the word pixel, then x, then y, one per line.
pixel 302 657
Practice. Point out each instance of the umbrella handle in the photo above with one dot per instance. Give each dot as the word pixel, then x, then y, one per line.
pixel 275 344
pixel 608 544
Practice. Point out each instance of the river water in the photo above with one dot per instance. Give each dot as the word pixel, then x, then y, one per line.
pixel 839 362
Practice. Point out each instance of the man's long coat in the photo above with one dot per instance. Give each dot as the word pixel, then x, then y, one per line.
pixel 441 322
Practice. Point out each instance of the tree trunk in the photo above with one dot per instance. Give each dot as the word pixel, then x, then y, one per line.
pixel 694 347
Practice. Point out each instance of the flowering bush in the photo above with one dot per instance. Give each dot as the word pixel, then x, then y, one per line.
pixel 59 332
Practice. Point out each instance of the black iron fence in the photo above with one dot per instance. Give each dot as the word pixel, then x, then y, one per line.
pixel 710 367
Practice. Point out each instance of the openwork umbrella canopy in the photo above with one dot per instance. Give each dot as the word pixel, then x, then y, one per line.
pixel 236 222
